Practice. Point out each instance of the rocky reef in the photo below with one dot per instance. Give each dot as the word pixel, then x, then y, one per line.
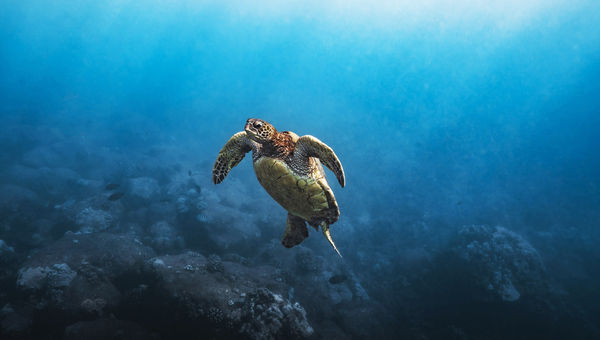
pixel 81 277
pixel 87 281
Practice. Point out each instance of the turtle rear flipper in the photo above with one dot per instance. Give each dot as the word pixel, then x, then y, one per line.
pixel 295 231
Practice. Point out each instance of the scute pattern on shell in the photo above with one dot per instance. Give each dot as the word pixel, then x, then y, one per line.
pixel 305 196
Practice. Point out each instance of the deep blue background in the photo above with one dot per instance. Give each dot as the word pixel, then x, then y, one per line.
pixel 443 114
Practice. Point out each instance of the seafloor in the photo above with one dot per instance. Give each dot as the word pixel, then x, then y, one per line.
pixel 104 243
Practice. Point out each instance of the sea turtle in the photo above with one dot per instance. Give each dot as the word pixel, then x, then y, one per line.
pixel 289 168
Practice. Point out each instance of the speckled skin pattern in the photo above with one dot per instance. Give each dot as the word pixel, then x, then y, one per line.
pixel 289 168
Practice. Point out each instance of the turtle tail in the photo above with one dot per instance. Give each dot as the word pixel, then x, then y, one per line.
pixel 327 233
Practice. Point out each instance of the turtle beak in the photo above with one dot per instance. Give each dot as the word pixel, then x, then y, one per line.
pixel 249 131
pixel 327 233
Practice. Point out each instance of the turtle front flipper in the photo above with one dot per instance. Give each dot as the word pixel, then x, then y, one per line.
pixel 309 146
pixel 295 231
pixel 230 155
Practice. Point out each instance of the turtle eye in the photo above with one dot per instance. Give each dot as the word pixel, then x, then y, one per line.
pixel 257 125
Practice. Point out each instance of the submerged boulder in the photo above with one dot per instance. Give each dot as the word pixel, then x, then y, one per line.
pixel 501 261
pixel 101 329
pixel 492 283
pixel 14 323
pixel 239 220
pixel 186 191
pixel 5 249
pixel 143 187
pixel 327 289
pixel 8 269
pixel 76 275
pixel 57 276
pixel 93 214
pixel 266 315
pixel 164 236
pixel 14 198
pixel 228 299
pixel 93 220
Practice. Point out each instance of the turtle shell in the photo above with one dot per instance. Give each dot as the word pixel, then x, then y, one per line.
pixel 307 196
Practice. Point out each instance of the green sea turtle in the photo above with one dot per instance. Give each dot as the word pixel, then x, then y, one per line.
pixel 289 168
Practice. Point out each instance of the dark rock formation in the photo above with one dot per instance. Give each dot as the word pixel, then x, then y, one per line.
pixel 501 261
pixel 490 282
pixel 78 277
pixel 307 277
pixel 101 329
pixel 82 277
pixel 230 299
pixel 164 237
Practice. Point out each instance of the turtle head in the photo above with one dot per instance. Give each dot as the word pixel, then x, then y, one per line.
pixel 259 130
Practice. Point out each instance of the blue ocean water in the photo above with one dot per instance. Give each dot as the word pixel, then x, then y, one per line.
pixel 468 132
